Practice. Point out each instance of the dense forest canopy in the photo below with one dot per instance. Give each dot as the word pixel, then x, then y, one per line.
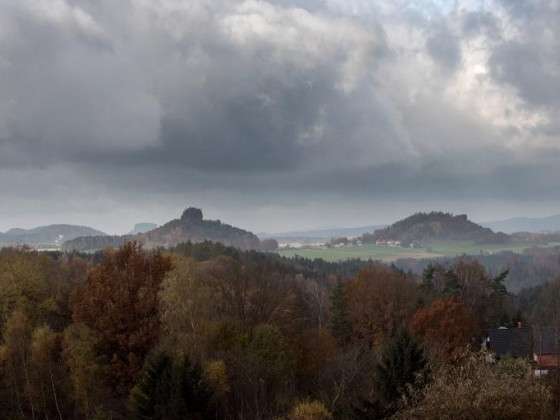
pixel 533 267
pixel 203 331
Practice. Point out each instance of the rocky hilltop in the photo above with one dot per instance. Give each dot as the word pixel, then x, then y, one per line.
pixel 427 227
pixel 191 227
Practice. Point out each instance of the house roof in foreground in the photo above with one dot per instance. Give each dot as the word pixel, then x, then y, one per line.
pixel 513 342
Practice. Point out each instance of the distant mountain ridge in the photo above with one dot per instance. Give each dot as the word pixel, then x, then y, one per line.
pixel 526 224
pixel 426 227
pixel 51 235
pixel 191 227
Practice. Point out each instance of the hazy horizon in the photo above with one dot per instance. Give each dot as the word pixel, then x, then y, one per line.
pixel 277 115
pixel 290 225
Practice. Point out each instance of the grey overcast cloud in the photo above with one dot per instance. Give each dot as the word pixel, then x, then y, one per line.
pixel 277 115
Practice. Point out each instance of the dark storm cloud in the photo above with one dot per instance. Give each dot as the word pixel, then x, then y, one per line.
pixel 140 101
pixel 64 90
pixel 530 60
pixel 531 71
pixel 247 88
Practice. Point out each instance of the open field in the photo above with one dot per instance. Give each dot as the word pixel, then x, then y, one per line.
pixel 365 252
pixel 385 253
pixel 454 248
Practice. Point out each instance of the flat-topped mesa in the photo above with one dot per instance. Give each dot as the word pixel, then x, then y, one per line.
pixel 192 216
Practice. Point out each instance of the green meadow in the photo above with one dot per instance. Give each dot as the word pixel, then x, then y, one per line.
pixel 386 253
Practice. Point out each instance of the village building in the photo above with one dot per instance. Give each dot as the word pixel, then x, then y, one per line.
pixel 541 345
pixel 546 349
pixel 510 342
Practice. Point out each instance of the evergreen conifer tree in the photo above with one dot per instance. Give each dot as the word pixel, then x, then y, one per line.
pixel 340 325
pixel 168 389
pixel 402 366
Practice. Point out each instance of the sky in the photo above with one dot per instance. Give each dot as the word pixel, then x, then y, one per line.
pixel 277 115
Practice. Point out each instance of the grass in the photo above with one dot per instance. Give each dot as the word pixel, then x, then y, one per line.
pixel 454 248
pixel 365 252
pixel 385 253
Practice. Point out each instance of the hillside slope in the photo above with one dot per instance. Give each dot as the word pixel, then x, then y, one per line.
pixel 434 226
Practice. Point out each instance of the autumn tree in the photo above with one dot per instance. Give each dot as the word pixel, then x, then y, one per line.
pixel 29 283
pixel 246 314
pixel 87 370
pixel 217 377
pixel 15 365
pixel 380 301
pixel 199 299
pixel 49 375
pixel 34 295
pixel 188 308
pixel 446 327
pixel 252 293
pixel 316 352
pixel 120 304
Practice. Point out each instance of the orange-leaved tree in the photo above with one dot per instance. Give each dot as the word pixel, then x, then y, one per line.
pixel 120 304
pixel 447 326
pixel 380 300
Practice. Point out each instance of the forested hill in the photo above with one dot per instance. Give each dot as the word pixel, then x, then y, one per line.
pixel 191 227
pixel 46 235
pixel 426 227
